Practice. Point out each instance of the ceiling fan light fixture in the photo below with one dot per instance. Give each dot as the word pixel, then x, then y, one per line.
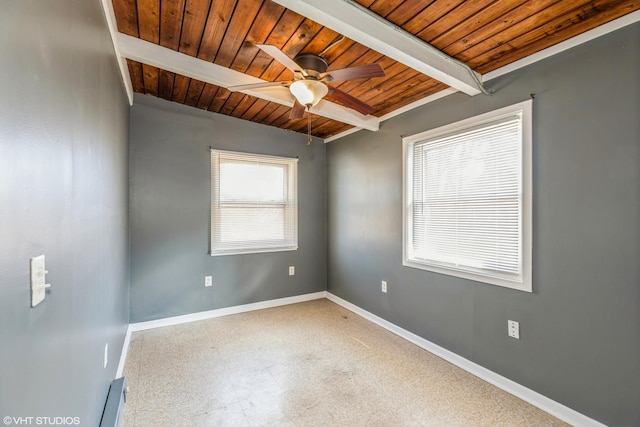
pixel 308 92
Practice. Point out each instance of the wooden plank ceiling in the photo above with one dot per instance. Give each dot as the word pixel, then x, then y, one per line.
pixel 484 34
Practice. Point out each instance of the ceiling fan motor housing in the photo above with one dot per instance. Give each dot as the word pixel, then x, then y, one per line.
pixel 310 62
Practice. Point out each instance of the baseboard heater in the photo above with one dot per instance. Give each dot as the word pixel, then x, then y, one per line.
pixel 112 415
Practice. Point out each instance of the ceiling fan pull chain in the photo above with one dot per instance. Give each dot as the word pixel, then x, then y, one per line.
pixel 308 125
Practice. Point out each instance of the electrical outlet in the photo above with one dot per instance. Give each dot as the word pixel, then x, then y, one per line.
pixel 292 270
pixel 106 355
pixel 208 281
pixel 383 286
pixel 513 329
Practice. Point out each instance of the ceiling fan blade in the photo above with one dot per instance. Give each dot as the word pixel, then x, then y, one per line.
pixel 257 86
pixel 297 111
pixel 280 56
pixel 350 101
pixel 352 73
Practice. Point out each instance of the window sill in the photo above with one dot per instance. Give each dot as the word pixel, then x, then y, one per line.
pixel 520 286
pixel 252 251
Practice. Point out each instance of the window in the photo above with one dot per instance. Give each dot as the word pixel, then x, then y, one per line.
pixel 467 198
pixel 253 203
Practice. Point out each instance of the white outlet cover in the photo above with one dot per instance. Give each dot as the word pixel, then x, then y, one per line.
pixel 292 270
pixel 383 286
pixel 208 281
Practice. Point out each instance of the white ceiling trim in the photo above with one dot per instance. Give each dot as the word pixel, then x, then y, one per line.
pixel 109 13
pixel 408 107
pixel 585 37
pixel 186 65
pixel 341 135
pixel 365 27
pixel 574 41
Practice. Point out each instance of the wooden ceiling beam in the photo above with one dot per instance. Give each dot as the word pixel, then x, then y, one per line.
pixel 189 66
pixel 367 28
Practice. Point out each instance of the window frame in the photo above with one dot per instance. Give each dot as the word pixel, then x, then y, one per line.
pixel 289 205
pixel 525 110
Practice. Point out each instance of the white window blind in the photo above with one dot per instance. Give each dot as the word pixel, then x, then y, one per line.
pixel 253 203
pixel 465 201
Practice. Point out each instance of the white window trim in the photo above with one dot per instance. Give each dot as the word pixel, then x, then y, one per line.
pixel 264 158
pixel 526 109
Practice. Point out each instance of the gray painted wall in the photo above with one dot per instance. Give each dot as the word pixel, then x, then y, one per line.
pixel 579 328
pixel 64 193
pixel 170 211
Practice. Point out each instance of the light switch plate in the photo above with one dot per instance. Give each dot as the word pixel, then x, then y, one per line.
pixel 105 359
pixel 38 285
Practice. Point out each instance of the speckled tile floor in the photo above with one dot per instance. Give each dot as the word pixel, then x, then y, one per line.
pixel 307 364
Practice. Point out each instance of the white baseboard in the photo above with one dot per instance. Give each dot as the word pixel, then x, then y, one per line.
pixel 123 353
pixel 548 405
pixel 177 320
pixel 551 406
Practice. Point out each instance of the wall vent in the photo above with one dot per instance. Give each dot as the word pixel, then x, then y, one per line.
pixel 112 415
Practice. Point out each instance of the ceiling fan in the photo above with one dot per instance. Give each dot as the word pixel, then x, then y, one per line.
pixel 310 81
